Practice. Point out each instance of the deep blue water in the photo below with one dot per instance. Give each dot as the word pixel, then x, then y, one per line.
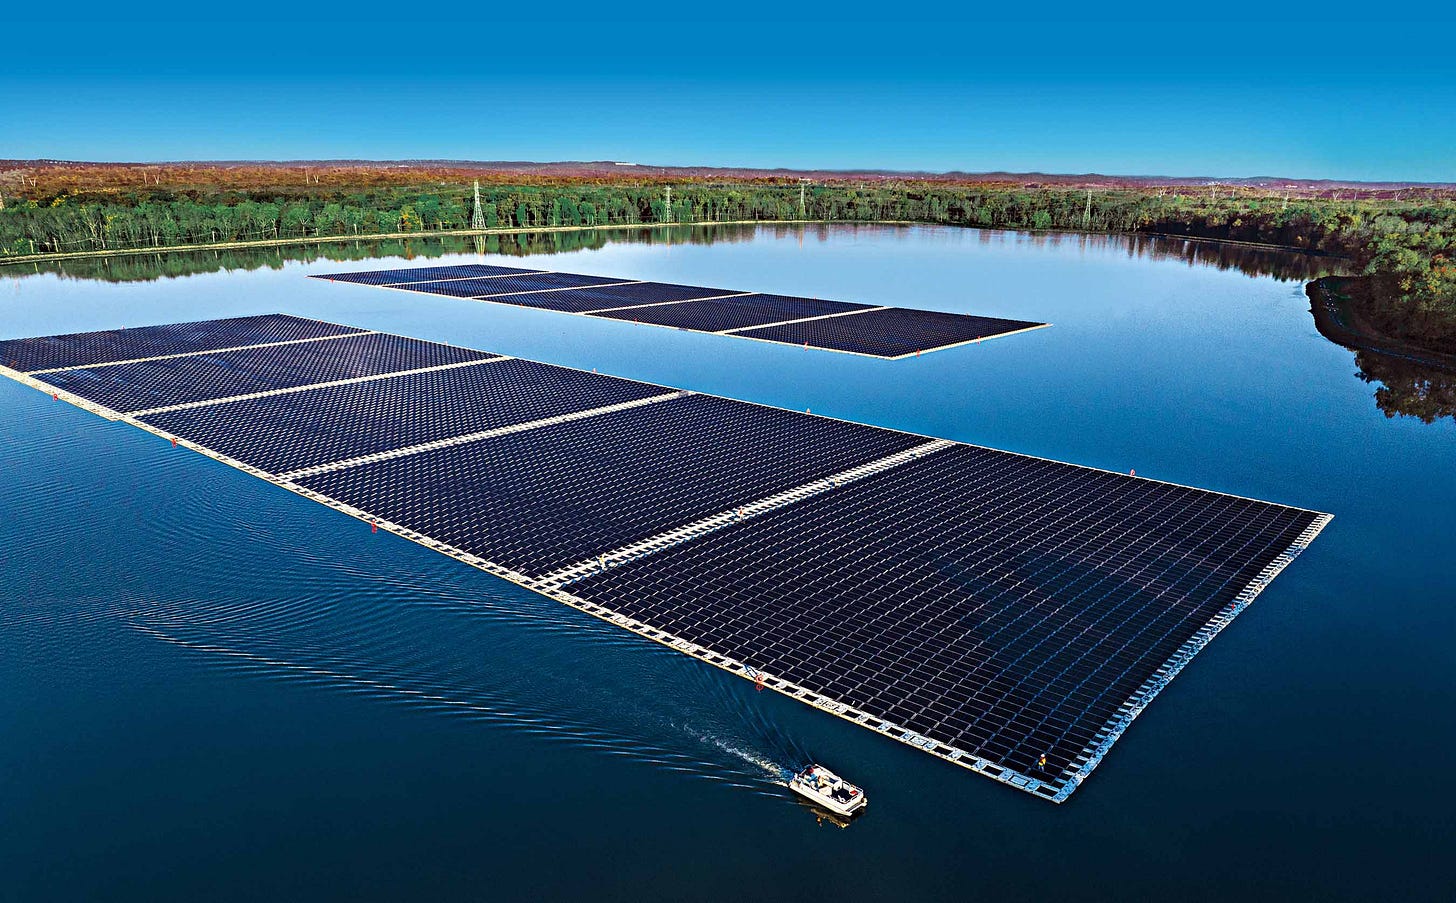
pixel 216 689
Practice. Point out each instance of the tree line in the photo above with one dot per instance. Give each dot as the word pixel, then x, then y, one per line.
pixel 1406 250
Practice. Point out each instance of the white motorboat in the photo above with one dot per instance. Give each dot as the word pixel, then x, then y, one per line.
pixel 828 790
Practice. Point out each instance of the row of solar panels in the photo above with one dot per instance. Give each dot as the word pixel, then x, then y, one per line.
pixel 888 332
pixel 1004 606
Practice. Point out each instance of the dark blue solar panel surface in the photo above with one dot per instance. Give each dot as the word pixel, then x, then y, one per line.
pixel 461 288
pixel 1001 604
pixel 155 384
pixel 514 284
pixel 85 348
pixel 581 300
pixel 893 332
pixel 732 313
pixel 282 433
pixel 422 274
pixel 540 500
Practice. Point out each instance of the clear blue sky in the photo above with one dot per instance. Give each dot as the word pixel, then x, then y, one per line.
pixel 1219 91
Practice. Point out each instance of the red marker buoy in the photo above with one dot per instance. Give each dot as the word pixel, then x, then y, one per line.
pixel 1132 473
pixel 55 396
pixel 174 441
pixel 373 526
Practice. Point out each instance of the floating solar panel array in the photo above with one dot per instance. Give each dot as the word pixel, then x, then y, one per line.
pixel 884 332
pixel 1003 612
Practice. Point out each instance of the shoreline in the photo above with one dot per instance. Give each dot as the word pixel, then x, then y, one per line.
pixel 517 230
pixel 1338 320
pixel 1335 317
pixel 442 233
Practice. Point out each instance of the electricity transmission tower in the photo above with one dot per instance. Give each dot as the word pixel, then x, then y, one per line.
pixel 667 206
pixel 477 219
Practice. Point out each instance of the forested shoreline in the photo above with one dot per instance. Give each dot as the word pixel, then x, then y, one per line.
pixel 1401 249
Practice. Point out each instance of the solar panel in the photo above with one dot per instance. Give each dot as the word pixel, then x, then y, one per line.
pixel 892 332
pixel 179 380
pixel 462 288
pixel 510 285
pixel 811 322
pixel 986 607
pixel 732 313
pixel 423 274
pixel 533 290
pixel 581 300
pixel 283 433
pixel 545 499
pixel 1008 606
pixel 86 348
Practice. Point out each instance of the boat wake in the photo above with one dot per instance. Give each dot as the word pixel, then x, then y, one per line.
pixel 464 666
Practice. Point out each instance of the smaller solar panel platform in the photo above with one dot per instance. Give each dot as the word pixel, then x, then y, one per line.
pixel 986 607
pixel 852 328
pixel 427 274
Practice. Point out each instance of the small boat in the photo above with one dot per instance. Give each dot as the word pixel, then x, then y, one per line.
pixel 828 790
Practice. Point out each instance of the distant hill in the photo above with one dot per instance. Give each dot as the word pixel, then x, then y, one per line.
pixel 97 175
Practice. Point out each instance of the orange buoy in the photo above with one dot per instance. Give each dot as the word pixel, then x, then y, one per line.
pixel 174 441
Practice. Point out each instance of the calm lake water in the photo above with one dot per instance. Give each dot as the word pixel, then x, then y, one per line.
pixel 214 689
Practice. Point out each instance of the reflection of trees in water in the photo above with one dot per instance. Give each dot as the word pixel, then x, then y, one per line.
pixel 1409 388
pixel 143 267
pixel 1253 261
pixel 1247 259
